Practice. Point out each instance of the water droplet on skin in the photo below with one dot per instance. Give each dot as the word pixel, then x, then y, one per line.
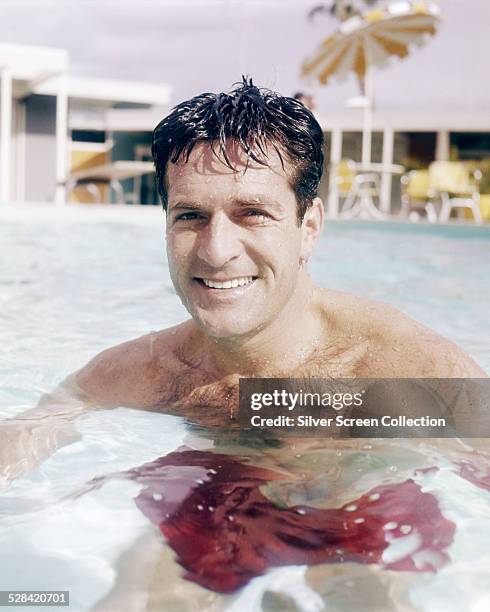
pixel 390 526
pixel 199 507
pixel 211 508
pixel 374 497
pixel 231 518
pixel 351 508
pixel 359 520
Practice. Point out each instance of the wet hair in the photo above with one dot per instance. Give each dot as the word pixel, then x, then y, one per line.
pixel 254 119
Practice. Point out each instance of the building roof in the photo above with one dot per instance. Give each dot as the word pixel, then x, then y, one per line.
pixel 36 70
pixel 30 65
pixel 110 91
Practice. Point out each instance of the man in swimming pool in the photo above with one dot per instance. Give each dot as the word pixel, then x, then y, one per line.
pixel 238 175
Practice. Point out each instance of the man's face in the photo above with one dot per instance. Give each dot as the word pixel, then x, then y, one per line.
pixel 233 241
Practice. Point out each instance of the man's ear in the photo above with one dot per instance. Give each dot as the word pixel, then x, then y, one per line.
pixel 311 228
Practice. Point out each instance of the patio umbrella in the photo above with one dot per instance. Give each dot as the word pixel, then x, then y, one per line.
pixel 371 39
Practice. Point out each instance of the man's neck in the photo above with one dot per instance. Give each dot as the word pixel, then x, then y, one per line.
pixel 277 349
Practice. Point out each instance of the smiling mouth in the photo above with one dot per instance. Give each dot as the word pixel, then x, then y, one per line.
pixel 231 283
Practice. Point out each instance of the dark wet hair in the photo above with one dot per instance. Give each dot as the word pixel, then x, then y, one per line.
pixel 253 118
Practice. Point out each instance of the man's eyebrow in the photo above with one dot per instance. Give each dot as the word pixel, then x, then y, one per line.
pixel 248 202
pixel 184 205
pixel 251 201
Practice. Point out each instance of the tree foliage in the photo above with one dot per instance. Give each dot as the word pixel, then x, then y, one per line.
pixel 342 9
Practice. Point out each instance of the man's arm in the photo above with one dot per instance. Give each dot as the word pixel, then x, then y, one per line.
pixel 113 378
pixel 124 375
pixel 31 437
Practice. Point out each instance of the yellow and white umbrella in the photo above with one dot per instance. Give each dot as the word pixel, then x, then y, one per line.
pixel 371 39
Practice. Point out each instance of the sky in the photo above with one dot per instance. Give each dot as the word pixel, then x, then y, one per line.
pixel 205 45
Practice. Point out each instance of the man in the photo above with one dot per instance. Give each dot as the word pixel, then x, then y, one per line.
pixel 238 175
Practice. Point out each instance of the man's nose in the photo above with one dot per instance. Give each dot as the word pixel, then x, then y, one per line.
pixel 219 242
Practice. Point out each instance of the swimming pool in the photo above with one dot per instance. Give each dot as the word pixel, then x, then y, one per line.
pixel 79 280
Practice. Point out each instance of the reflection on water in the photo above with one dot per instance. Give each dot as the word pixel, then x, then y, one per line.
pixel 225 531
pixel 232 522
pixel 231 516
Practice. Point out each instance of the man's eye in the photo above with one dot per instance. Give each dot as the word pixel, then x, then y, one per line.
pixel 257 214
pixel 189 216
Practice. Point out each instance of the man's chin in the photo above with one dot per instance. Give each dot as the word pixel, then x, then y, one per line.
pixel 221 329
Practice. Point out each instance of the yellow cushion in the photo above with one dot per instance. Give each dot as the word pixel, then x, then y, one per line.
pixel 83 159
pixel 484 204
pixel 453 177
pixel 418 185
pixel 344 176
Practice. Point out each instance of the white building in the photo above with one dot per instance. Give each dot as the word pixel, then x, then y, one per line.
pixel 45 113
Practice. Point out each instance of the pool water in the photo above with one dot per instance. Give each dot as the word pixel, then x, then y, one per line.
pixel 77 281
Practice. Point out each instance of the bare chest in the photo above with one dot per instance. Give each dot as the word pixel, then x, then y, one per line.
pixel 214 401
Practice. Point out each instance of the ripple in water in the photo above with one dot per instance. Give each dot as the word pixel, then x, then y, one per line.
pixel 225 531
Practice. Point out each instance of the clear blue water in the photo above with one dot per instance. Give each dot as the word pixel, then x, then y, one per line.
pixel 76 282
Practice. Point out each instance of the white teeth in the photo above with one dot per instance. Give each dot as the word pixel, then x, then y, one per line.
pixel 228 284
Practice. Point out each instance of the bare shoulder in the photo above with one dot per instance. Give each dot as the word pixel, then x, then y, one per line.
pixel 397 346
pixel 130 374
pixel 414 350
